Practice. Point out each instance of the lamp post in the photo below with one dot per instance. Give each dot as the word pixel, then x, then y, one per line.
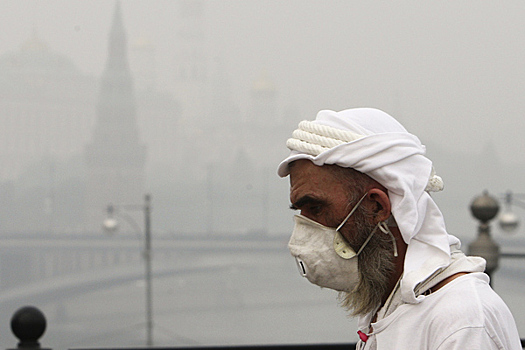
pixel 508 220
pixel 110 224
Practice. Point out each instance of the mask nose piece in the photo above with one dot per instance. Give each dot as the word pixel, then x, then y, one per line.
pixel 303 270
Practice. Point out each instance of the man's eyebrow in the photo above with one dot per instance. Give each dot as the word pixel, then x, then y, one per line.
pixel 307 199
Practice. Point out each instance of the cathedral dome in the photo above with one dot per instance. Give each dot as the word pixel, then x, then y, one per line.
pixel 263 83
pixel 35 57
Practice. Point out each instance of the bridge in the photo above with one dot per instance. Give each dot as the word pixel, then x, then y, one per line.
pixel 28 262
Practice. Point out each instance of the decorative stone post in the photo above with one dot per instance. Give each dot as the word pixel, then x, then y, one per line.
pixel 485 208
pixel 28 324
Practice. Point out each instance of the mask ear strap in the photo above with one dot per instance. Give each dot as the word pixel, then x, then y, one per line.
pixel 383 226
pixel 351 212
pixel 367 240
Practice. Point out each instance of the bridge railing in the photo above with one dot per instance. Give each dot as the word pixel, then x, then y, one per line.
pixel 28 324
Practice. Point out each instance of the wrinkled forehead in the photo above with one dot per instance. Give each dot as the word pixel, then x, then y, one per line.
pixel 308 180
pixel 303 170
pixel 302 167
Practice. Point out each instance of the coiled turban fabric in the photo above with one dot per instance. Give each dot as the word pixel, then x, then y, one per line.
pixel 374 143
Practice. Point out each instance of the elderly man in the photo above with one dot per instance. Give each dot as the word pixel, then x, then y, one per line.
pixel 369 229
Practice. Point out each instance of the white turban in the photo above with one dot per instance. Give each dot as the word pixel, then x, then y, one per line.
pixel 374 143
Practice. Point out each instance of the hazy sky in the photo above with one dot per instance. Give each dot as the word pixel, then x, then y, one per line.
pixel 451 71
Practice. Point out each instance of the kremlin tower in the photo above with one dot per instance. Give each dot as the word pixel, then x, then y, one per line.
pixel 115 158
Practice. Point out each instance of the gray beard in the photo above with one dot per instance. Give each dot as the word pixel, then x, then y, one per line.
pixel 375 268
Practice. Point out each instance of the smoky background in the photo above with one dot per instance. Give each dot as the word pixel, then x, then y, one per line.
pixel 192 102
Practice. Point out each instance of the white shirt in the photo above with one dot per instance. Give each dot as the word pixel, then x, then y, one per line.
pixel 464 314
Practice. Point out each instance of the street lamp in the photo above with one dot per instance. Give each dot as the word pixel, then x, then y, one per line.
pixel 508 220
pixel 485 208
pixel 110 225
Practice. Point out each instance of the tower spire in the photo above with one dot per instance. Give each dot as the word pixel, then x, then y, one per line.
pixel 115 158
pixel 118 42
pixel 116 112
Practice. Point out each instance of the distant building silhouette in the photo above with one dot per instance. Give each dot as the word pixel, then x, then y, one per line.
pixel 264 122
pixel 69 145
pixel 46 106
pixel 72 145
pixel 143 64
pixel 115 158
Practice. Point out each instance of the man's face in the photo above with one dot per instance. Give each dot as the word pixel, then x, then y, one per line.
pixel 322 197
pixel 319 194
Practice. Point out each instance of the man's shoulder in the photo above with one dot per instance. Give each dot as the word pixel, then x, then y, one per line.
pixel 468 306
pixel 467 290
pixel 464 308
pixel 466 301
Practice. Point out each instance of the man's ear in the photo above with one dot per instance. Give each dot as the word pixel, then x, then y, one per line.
pixel 382 205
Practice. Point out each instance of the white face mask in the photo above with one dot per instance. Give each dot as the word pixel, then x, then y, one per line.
pixel 323 256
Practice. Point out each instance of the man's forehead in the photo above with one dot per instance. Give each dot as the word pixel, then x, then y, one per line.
pixel 308 177
pixel 304 163
pixel 306 168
